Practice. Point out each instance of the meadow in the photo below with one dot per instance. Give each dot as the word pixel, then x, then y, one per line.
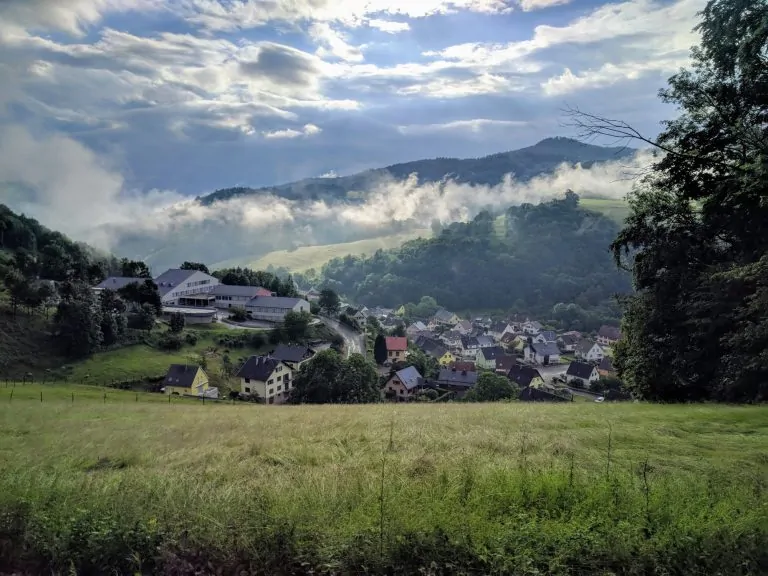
pixel 135 485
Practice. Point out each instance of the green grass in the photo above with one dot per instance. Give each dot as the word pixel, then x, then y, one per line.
pixel 307 257
pixel 615 209
pixel 580 488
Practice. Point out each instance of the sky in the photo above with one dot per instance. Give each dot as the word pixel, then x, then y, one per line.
pixel 177 98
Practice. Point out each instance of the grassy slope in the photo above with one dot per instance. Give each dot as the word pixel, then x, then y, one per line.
pixel 514 488
pixel 615 209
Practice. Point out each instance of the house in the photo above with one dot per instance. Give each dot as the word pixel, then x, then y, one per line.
pixel 274 308
pixel 463 327
pixel 237 296
pixel 586 373
pixel 511 341
pixel 461 365
pixel 115 283
pixel 312 295
pixel 361 316
pixel 605 368
pixel 486 357
pixel 452 338
pixel 504 364
pixel 293 355
pixel 186 380
pixel 533 394
pixel 589 351
pixel 469 346
pixel 568 342
pixel 532 327
pixel 414 329
pixel 498 329
pixel 545 336
pixel 457 381
pixel 608 335
pixel 396 348
pixel 543 354
pixel 485 341
pixel 443 318
pixel 524 376
pixel 403 384
pixel 269 378
pixel 191 288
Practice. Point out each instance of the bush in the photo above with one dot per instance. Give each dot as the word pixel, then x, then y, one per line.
pixel 577 383
pixel 238 314
pixel 170 341
pixel 190 338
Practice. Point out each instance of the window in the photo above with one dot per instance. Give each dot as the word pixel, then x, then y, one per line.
pixel 271 392
pixel 247 389
pixel 271 381
pixel 279 388
pixel 279 368
pixel 247 380
pixel 279 378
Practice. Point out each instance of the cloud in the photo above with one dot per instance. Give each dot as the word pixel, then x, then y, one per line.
pixel 389 26
pixel 606 75
pixel 332 43
pixel 307 130
pixel 475 126
pixel 529 5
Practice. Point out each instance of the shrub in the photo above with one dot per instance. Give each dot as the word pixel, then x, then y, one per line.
pixel 190 338
pixel 238 314
pixel 170 341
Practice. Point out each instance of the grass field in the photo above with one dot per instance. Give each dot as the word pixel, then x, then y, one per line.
pixel 315 256
pixel 146 487
pixel 616 209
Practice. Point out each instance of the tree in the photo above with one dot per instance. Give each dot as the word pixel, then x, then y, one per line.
pixel 398 330
pixel 427 366
pixel 296 325
pixel 492 388
pixel 195 266
pixel 113 319
pixel 147 317
pixel 177 322
pixel 374 326
pixel 238 314
pixel 315 380
pixel 78 321
pixel 134 269
pixel 357 382
pixel 329 302
pixel 696 239
pixel 380 349
pixel 17 287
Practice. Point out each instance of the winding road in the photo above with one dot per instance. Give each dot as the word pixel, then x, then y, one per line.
pixel 354 342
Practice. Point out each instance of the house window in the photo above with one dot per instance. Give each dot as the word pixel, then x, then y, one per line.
pixel 247 389
pixel 271 381
pixel 247 380
pixel 279 388
pixel 271 392
pixel 278 369
pixel 279 378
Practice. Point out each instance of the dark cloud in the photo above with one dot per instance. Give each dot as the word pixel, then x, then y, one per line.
pixel 283 65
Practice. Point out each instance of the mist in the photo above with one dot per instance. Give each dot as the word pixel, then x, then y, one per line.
pixel 70 188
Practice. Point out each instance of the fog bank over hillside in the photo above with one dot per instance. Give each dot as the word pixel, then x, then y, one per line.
pixel 70 188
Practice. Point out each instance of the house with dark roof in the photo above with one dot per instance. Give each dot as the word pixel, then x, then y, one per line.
pixel 485 341
pixel 176 286
pixel 443 318
pixel 463 327
pixel 545 336
pixel 525 376
pixel 274 308
pixel 605 368
pixel 469 346
pixel 188 380
pixel 568 342
pixel 451 338
pixel 436 350
pixel 463 366
pixel 608 335
pixel 486 357
pixel 582 371
pixel 397 346
pixel 268 378
pixel 414 329
pixel 457 381
pixel 533 394
pixel 504 364
pixel 543 354
pixel 589 351
pixel 115 283
pixel 237 296
pixel 403 384
pixel 293 355
pixel 532 327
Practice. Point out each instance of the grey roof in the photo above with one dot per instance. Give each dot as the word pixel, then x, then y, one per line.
pixel 457 377
pixel 467 341
pixel 169 279
pixel 275 301
pixel 431 347
pixel 419 326
pixel 241 291
pixel 584 345
pixel 492 352
pixel 443 315
pixel 537 325
pixel 292 353
pixel 580 370
pixel 606 364
pixel 498 327
pixel 523 375
pixel 118 282
pixel 465 324
pixel 548 335
pixel 529 394
pixel 569 339
pixel 485 341
pixel 546 349
pixel 610 332
pixel 505 363
pixel 410 377
pixel 181 375
pixel 258 368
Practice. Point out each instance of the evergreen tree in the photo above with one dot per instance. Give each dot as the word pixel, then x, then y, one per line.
pixel 177 322
pixel 380 349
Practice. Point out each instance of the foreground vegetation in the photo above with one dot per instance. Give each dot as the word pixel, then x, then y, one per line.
pixel 135 486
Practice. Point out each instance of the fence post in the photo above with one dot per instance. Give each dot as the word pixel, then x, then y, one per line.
pixel 169 398
pixel 41 395
pixel 137 397
pixel 11 399
pixel 105 397
pixel 73 397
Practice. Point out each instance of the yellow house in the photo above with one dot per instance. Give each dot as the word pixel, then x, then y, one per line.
pixel 446 359
pixel 188 380
pixel 268 378
pixel 400 311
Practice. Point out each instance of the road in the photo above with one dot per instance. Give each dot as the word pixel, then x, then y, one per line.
pixel 354 342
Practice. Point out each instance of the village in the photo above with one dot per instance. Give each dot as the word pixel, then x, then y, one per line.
pixel 542 364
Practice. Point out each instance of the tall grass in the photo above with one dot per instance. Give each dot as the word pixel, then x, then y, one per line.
pixel 127 487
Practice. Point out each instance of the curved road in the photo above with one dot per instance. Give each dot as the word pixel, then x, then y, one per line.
pixel 354 342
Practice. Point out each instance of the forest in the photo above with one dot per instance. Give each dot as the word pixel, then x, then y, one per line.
pixel 547 255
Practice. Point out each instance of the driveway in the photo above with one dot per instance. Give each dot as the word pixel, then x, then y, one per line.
pixel 354 342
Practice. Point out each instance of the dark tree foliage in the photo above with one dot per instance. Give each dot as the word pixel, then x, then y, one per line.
pixel 697 236
pixel 134 269
pixel 296 326
pixel 147 316
pixel 329 302
pixel 427 366
pixel 380 349
pixel 327 378
pixel 177 323
pixel 141 293
pixel 492 388
pixel 114 322
pixel 195 266
pixel 247 277
pixel 550 253
pixel 78 320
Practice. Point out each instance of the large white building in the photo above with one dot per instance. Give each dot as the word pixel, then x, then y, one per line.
pixel 274 308
pixel 175 285
pixel 237 296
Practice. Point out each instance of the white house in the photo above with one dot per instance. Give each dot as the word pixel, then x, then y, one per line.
pixel 486 357
pixel 539 353
pixel 589 351
pixel 532 327
pixel 176 284
pixel 274 308
pixel 545 336
pixel 269 378
pixel 414 329
pixel 608 335
pixel 587 373
pixel 463 327
pixel 498 329
pixel 237 296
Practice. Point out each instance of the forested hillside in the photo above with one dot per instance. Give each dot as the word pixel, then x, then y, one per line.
pixel 551 253
pixel 525 163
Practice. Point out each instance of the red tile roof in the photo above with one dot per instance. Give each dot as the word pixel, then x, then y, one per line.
pixel 463 366
pixel 397 343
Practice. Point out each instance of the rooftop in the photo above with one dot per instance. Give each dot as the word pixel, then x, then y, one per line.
pixel 396 343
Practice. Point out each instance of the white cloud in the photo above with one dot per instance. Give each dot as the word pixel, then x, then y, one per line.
pixel 530 5
pixel 607 75
pixel 389 26
pixel 333 43
pixel 475 126
pixel 306 131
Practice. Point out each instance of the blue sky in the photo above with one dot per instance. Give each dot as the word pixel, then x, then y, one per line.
pixel 192 95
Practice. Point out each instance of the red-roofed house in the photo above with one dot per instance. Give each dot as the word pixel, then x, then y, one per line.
pixel 396 348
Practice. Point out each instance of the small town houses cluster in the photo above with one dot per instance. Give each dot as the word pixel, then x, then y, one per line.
pixel 516 348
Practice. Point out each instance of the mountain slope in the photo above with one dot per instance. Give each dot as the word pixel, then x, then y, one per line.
pixel 525 163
